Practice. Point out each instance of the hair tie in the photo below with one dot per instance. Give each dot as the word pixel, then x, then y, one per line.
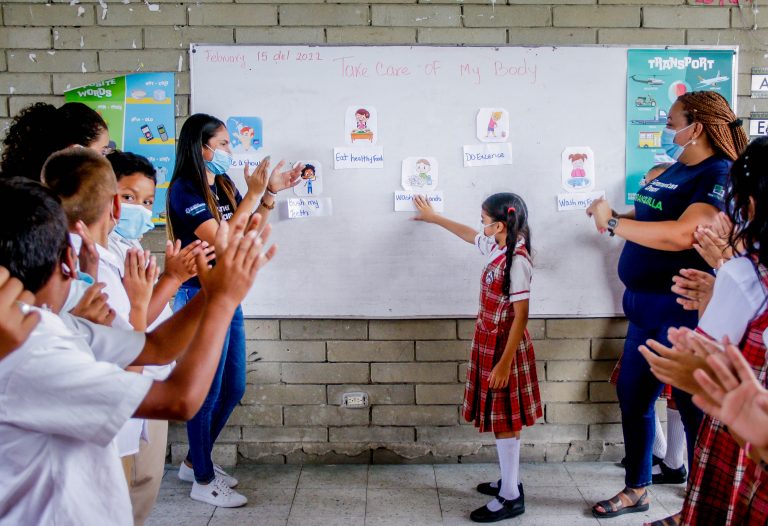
pixel 735 123
pixel 511 210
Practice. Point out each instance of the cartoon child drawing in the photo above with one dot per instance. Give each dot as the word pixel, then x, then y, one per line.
pixel 578 173
pixel 421 178
pixel 361 116
pixel 495 118
pixel 245 135
pixel 308 175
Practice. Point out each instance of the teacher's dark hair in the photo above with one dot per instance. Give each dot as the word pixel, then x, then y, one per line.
pixel 510 209
pixel 197 130
pixel 720 123
pixel 41 129
pixel 749 179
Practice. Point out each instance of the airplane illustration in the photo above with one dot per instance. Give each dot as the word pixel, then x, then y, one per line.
pixel 712 81
pixel 652 80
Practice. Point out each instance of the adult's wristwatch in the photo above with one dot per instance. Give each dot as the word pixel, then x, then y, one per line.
pixel 612 224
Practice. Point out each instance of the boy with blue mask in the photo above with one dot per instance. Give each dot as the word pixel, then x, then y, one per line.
pixel 136 181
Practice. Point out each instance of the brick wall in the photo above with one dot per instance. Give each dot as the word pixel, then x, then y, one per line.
pixel 412 370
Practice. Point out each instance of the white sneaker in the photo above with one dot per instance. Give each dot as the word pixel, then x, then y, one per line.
pixel 187 474
pixel 218 494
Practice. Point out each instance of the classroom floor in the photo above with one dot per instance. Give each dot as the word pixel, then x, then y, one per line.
pixel 413 495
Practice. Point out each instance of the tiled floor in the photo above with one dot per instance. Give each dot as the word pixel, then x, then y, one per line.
pixel 413 495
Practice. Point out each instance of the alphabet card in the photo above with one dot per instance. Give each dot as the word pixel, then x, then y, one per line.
pixel 419 174
pixel 492 125
pixel 311 182
pixel 578 168
pixel 361 125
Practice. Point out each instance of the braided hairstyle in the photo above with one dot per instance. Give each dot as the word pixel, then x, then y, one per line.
pixel 749 180
pixel 510 209
pixel 721 125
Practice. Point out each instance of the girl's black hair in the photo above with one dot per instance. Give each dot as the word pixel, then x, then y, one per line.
pixel 747 181
pixel 511 209
pixel 41 129
pixel 197 130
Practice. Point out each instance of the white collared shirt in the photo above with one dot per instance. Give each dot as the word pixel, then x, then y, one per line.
pixel 522 272
pixel 60 409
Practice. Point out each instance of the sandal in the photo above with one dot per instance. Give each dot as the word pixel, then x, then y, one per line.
pixel 615 506
pixel 672 520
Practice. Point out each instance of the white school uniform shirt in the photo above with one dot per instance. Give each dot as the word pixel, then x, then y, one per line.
pixel 60 409
pixel 738 297
pixel 521 272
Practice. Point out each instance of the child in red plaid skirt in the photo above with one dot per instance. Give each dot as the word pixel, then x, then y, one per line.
pixel 502 391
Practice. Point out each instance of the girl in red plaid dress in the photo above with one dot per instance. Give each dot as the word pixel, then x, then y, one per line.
pixel 502 391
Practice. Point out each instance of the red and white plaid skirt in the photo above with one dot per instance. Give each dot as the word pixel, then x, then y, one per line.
pixel 510 408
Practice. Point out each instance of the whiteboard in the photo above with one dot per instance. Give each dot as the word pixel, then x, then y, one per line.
pixel 367 261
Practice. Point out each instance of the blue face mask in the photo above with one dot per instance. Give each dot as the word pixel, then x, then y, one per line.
pixel 135 221
pixel 673 149
pixel 220 163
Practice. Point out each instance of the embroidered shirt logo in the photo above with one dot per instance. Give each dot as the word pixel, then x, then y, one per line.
pixel 489 277
pixel 718 191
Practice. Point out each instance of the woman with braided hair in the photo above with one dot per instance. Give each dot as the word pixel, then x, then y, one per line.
pixel 704 136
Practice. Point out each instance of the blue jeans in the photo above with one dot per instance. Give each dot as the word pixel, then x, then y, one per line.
pixel 650 316
pixel 226 391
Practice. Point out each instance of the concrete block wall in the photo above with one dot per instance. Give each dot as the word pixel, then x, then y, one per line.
pixel 413 371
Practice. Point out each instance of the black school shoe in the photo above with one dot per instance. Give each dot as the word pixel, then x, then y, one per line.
pixel 670 476
pixel 486 489
pixel 510 508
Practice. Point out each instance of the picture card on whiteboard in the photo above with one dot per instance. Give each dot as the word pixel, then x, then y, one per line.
pixel 492 125
pixel 296 207
pixel 487 154
pixel 419 174
pixel 404 201
pixel 350 157
pixel 311 181
pixel 578 168
pixel 361 124
pixel 577 200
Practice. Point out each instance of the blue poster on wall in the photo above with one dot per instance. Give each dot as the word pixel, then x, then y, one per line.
pixel 655 79
pixel 150 128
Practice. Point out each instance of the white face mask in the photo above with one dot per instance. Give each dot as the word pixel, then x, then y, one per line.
pixel 77 290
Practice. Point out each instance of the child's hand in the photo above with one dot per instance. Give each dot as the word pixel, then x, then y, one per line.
pixel 424 209
pixel 140 276
pixel 16 322
pixel 694 288
pixel 93 306
pixel 89 256
pixel 239 256
pixel 257 182
pixel 282 180
pixel 180 263
pixel 712 245
pixel 499 377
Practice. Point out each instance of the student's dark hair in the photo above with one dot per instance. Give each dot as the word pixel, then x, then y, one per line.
pixel 127 163
pixel 83 180
pixel 197 130
pixel 510 209
pixel 40 129
pixel 749 179
pixel 33 231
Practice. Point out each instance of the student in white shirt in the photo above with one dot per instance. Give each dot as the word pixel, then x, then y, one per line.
pixel 64 394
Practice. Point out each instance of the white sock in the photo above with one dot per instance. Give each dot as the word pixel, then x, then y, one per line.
pixel 675 439
pixel 659 441
pixel 509 461
pixel 495 484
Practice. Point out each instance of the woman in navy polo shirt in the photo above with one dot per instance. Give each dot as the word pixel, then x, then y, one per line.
pixel 704 136
pixel 201 195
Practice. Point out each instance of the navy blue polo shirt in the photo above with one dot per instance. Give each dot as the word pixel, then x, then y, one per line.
pixel 665 199
pixel 188 210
